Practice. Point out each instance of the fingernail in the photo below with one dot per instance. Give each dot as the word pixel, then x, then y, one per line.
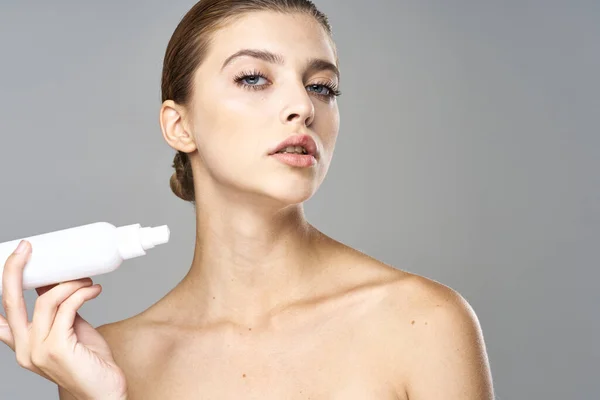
pixel 21 248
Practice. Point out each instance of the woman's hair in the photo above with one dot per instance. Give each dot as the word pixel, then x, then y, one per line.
pixel 188 47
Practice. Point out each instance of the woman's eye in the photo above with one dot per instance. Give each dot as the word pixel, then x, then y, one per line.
pixel 319 89
pixel 253 80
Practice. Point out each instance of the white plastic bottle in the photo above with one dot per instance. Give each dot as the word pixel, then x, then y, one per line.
pixel 81 252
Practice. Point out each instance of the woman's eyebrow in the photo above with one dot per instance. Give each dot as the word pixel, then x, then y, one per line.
pixel 260 54
pixel 314 64
pixel 317 64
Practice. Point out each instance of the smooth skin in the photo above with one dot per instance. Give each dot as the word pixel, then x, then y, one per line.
pixel 271 307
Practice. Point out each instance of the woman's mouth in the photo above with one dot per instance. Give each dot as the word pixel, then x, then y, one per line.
pixel 297 151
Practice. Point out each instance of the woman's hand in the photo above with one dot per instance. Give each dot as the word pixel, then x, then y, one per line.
pixel 58 344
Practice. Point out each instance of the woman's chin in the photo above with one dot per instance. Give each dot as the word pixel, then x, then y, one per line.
pixel 289 195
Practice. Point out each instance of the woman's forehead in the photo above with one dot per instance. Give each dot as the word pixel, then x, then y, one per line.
pixel 292 36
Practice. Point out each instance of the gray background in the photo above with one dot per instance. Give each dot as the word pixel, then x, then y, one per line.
pixel 468 153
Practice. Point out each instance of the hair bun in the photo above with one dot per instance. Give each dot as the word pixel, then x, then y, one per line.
pixel 182 181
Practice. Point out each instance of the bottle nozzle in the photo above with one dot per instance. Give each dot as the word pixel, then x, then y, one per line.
pixel 150 237
pixel 133 240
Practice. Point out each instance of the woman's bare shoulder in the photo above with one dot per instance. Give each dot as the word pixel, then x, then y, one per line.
pixel 407 289
pixel 397 284
pixel 136 343
pixel 430 326
pixel 411 299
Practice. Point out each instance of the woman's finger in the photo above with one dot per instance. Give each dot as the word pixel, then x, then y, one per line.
pixel 65 316
pixel 46 307
pixel 12 294
pixel 6 334
pixel 41 290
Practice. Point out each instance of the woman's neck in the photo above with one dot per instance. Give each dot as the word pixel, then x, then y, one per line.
pixel 249 263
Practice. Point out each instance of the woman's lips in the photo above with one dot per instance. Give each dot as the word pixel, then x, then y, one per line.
pixel 296 160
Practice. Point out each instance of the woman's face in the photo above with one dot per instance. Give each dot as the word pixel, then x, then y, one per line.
pixel 241 109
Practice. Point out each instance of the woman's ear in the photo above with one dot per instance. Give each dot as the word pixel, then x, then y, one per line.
pixel 175 127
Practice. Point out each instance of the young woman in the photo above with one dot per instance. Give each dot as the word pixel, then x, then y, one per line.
pixel 271 308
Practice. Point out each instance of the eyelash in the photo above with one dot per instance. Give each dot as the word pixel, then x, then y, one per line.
pixel 331 86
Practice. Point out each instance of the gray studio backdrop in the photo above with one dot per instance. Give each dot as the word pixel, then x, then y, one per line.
pixel 468 153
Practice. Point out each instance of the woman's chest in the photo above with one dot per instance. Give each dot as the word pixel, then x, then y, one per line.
pixel 322 365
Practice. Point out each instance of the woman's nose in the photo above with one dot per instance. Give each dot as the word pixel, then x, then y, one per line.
pixel 298 109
